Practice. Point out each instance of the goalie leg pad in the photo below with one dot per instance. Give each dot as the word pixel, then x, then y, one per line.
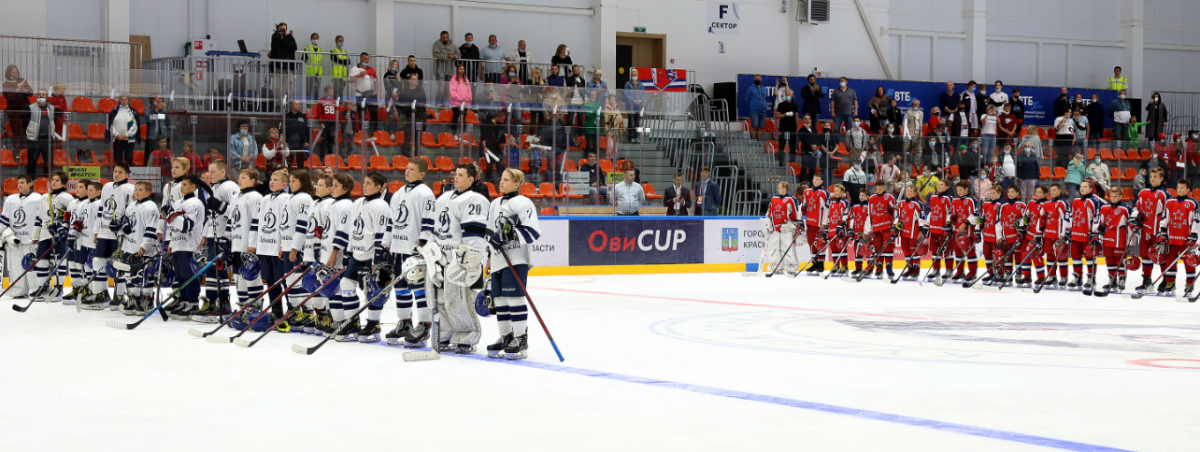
pixel 458 315
pixel 466 267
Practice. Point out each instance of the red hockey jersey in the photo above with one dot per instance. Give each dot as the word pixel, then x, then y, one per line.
pixel 1181 219
pixel 940 211
pixel 909 213
pixel 837 214
pixel 782 210
pixel 883 211
pixel 991 210
pixel 860 218
pixel 1085 215
pixel 965 211
pixel 1033 209
pixel 1054 218
pixel 1150 209
pixel 327 109
pixel 1114 218
pixel 1006 224
pixel 816 206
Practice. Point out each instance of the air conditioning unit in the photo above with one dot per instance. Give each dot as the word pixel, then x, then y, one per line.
pixel 813 11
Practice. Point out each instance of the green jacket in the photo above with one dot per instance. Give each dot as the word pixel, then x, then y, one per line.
pixel 591 121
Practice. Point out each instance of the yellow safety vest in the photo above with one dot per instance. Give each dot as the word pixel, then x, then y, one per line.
pixel 1117 84
pixel 313 65
pixel 341 65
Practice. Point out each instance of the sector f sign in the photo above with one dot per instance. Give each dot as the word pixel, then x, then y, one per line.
pixel 723 18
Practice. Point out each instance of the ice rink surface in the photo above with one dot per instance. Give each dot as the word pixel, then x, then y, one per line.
pixel 692 362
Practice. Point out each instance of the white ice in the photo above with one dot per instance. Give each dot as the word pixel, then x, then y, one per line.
pixel 838 366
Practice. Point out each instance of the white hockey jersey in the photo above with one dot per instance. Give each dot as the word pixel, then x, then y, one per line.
pixel 144 217
pixel 461 219
pixel 412 218
pixel 113 199
pixel 22 213
pixel 266 228
pixel 52 211
pixel 370 224
pixel 88 209
pixel 317 248
pixel 172 194
pixel 241 212
pixel 225 191
pixel 522 214
pixel 341 216
pixel 294 226
pixel 184 229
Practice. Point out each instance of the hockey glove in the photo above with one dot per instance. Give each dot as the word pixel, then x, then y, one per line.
pixel 1094 239
pixel 319 233
pixel 223 246
pixel 126 226
pixel 841 230
pixel 381 255
pixel 1191 240
pixel 925 230
pixel 216 205
pixel 1135 222
pixel 166 210
pixel 115 225
pixel 78 225
pixel 496 240
pixel 1161 238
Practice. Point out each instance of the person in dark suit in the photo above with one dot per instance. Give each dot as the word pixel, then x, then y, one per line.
pixel 708 194
pixel 677 198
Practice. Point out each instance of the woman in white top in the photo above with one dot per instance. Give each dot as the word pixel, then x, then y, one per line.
pixel 988 125
pixel 1064 137
pixel 124 131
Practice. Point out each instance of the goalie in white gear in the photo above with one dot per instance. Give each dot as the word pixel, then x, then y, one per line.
pixel 455 268
pixel 514 225
pixel 139 234
pixel 113 198
pixel 242 211
pixel 341 216
pixel 54 233
pixel 215 305
pixel 22 222
pixel 411 227
pixel 781 224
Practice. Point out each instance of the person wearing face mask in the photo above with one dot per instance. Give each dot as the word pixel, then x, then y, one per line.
pixel 1064 136
pixel 787 113
pixel 1095 116
pixel 843 105
pixel 1076 174
pixel 989 124
pixel 756 101
pixel 469 52
pixel 40 132
pixel 522 59
pixel 812 95
pixel 1077 103
pixel 1008 166
pixel 1121 113
pixel 1098 171
pixel 599 86
pixel 855 139
pixel 855 179
pixel 1028 171
pixel 1007 126
pixel 892 142
pixel 341 65
pixel 313 67
pixel 391 79
pixel 913 125
pixel 1018 106
pixel 807 139
pixel 283 47
pixel 934 151
pixel 1062 103
pixel 1156 117
pixel 973 104
pixel 877 110
pixel 493 53
pixel 242 147
pixel 968 168
pixel 1081 130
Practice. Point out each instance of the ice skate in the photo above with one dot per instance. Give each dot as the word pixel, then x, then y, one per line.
pixel 417 335
pixel 517 348
pixel 1076 283
pixel 96 302
pixel 1167 288
pixel 1147 287
pixel 370 332
pixel 496 350
pixel 347 331
pixel 396 334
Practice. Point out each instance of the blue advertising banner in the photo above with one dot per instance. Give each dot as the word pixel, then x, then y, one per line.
pixel 1039 101
pixel 636 241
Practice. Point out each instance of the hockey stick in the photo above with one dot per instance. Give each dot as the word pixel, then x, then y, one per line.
pixel 1089 285
pixel 821 252
pixel 908 259
pixel 939 256
pixel 198 333
pixel 242 343
pixel 1037 246
pixel 835 265
pixel 161 307
pixel 297 348
pixel 775 269
pixel 870 265
pixel 17 307
pixel 1121 266
pixel 44 285
pixel 1058 244
pixel 531 305
pixel 968 285
pixel 1174 262
pixel 266 309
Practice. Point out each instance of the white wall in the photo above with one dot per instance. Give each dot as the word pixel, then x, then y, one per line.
pixel 1173 23
pixel 418 25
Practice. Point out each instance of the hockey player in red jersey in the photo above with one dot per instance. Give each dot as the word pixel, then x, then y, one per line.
pixel 966 215
pixel 860 224
pixel 1009 225
pixel 839 215
pixel 908 223
pixel 1114 235
pixel 1054 240
pixel 782 231
pixel 816 209
pixel 1084 227
pixel 939 220
pixel 1031 255
pixel 1178 233
pixel 1148 218
pixel 882 206
pixel 991 213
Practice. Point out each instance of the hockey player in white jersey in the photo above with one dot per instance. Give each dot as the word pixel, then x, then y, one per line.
pixel 139 244
pixel 410 226
pixel 341 216
pixel 113 198
pixel 21 223
pixel 184 231
pixel 267 236
pixel 54 233
pixel 243 210
pixel 75 265
pixel 172 192
pixel 514 224
pixel 455 261
pixel 317 245
pixel 366 256
pixel 295 235
pixel 84 225
pixel 214 304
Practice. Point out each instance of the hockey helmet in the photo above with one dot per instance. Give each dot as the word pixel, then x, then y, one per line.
pixel 27 261
pixel 250 266
pixel 160 272
pixel 257 321
pixel 997 252
pixel 1155 252
pixel 818 245
pixel 1191 260
pixel 310 281
pixel 1133 263
pixel 1089 252
pixel 195 263
pixel 323 283
pixel 483 303
pixel 923 249
pixel 413 270
pixel 964 242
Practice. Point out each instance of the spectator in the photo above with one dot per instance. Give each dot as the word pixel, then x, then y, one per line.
pixel 470 53
pixel 534 95
pixel 123 131
pixel 855 179
pixel 1156 117
pixel 781 86
pixel 927 183
pixel 509 76
pixel 1139 182
pixel 493 54
pixel 1062 104
pixel 562 58
pixel 58 98
pixel 877 109
pixel 596 84
pixel 943 154
pixel 855 140
pixel 595 185
pixel 1076 173
pixel 391 79
pixel 283 47
pixel 628 196
pixel 889 173
pixel 522 60
pixel 974 106
pixel 1099 172
pixel 445 52
pixel 1018 106
pixel 787 112
pixel 1095 117
pixel 812 95
pixel 677 198
pixel 242 147
pixel 1081 129
pixel 1168 159
pixel 1078 104
pixel 557 80
pixel 276 148
pixel 806 138
pixel 41 133
pixel 1031 138
pixel 1064 137
pixel 493 132
pixel 362 77
pixel 989 124
pixel 556 138
pixel 930 151
pixel 1153 163
pixel 614 121
pixel 1121 113
pixel 756 101
pixel 340 63
pixel 968 167
pixel 935 117
pixel 403 111
pixel 708 194
pixel 197 165
pixel 313 67
pixel 460 95
pixel 411 68
pixel 948 101
pixel 893 115
pixel 998 98
pixel 213 155
pixel 16 95
pixel 295 123
pixel 1117 82
pixel 576 94
pixel 892 141
pixel 161 156
pixel 913 126
pixel 843 104
pixel 635 99
pixel 627 164
pixel 327 115
pixel 1007 128
pixel 959 128
pixel 591 120
pixel 1028 171
pixel 158 123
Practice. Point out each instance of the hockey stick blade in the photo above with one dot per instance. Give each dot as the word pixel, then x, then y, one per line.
pixel 1133 296
pixel 125 326
pixel 297 348
pixel 196 332
pixel 219 339
pixel 410 356
pixel 19 308
pixel 241 343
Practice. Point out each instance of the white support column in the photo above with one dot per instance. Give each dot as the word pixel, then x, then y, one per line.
pixel 975 47
pixel 1133 56
pixel 381 27
pixel 604 39
pixel 114 25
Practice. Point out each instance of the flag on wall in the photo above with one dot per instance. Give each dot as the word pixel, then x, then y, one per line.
pixel 659 79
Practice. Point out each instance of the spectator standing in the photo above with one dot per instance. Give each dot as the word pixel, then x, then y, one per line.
pixel 843 104
pixel 327 115
pixel 1078 103
pixel 124 131
pixel 806 141
pixel 576 94
pixel 756 102
pixel 158 123
pixel 973 105
pixel 16 95
pixel 411 68
pixel 562 58
pixel 470 55
pixel 628 196
pixel 635 99
pixel 391 80
pixel 1076 173
pixel 161 157
pixel 460 95
pixel 959 128
pixel 1018 106
pixel 787 112
pixel 781 86
pixel 889 173
pixel 877 111
pixel 1062 104
pixel 1008 165
pixel 926 183
pixel 968 167
pixel 600 86
pixel 447 55
pixel 1081 130
pixel 948 101
pixel 998 98
pixel 935 117
pixel 1156 117
pixel 1099 172
pixel 708 194
pixel 1122 115
pixel 812 95
pixel 989 125
pixel 1117 82
pixel 855 140
pixel 913 127
pixel 58 98
pixel 1064 137
pixel 494 54
pixel 410 93
pixel 1031 138
pixel 1007 128
pixel 313 68
pixel 493 132
pixel 614 121
pixel 1095 117
pixel 1028 171
pixel 855 179
pixel 41 133
pixel 893 115
pixel 283 47
pixel 556 137
pixel 677 198
pixel 521 58
pixel 295 125
pixel 275 147
pixel 196 164
pixel 944 150
pixel 591 120
pixel 340 65
pixel 363 76
pixel 931 151
pixel 242 147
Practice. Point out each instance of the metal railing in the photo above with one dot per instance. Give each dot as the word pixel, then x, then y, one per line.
pixel 82 65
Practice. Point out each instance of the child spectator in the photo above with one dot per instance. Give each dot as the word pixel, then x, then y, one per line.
pixel 161 157
pixel 197 165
